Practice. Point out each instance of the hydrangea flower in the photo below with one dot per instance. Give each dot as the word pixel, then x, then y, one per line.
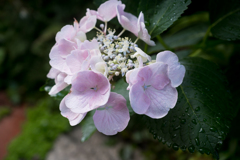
pixel 90 66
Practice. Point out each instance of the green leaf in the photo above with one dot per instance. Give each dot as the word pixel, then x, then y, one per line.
pixel 88 126
pixel 160 14
pixel 120 87
pixel 202 116
pixel 225 19
pixel 184 38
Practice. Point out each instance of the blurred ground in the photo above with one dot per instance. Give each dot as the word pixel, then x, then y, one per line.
pixel 69 147
pixel 10 125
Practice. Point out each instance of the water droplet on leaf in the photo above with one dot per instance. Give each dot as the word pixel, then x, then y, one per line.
pixel 191 149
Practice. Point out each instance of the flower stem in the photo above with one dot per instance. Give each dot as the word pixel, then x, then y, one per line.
pixel 159 38
pixel 105 30
pixel 98 29
pixel 145 48
pixel 136 41
pixel 121 32
pixel 195 53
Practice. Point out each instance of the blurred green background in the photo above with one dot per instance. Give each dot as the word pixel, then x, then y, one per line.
pixel 27 33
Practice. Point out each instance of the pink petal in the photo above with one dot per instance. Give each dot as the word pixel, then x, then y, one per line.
pixel 143 32
pixel 60 64
pixel 159 77
pixel 138 99
pixel 87 23
pixel 112 117
pixel 67 32
pixel 62 49
pixel 89 90
pixel 76 59
pixel 107 10
pixel 127 20
pixel 74 118
pixel 60 84
pixel 161 101
pixel 53 73
pixel 176 71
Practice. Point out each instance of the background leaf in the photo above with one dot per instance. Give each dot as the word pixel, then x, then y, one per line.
pixel 225 19
pixel 120 87
pixel 182 39
pixel 202 116
pixel 88 126
pixel 160 14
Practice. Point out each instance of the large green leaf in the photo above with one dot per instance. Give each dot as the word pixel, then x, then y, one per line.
pixel 160 14
pixel 181 39
pixel 88 126
pixel 225 19
pixel 202 116
pixel 120 87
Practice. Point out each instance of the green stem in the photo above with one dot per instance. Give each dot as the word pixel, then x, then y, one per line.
pixel 159 38
pixel 195 53
pixel 145 48
pixel 206 36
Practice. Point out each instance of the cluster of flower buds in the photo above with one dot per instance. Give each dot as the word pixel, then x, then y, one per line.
pixel 88 66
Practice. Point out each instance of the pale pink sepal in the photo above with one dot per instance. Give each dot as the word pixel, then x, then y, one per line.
pixel 127 20
pixel 52 74
pixel 97 64
pixel 74 118
pixel 176 71
pixel 77 60
pixel 143 32
pixel 113 117
pixel 89 91
pixel 67 32
pixel 107 10
pixel 88 22
pixel 150 91
pixel 59 84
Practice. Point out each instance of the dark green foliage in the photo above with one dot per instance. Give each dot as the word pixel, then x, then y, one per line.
pixel 202 116
pixel 225 19
pixel 120 87
pixel 160 14
pixel 43 126
pixel 186 38
pixel 88 126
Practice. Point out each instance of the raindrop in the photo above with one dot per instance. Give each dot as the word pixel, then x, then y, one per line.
pixel 213 129
pixel 159 138
pixel 201 150
pixel 147 23
pixel 220 137
pixel 183 148
pixel 154 136
pixel 197 141
pixel 187 109
pixel 201 130
pixel 204 143
pixel 175 146
pixel 191 149
pixel 183 121
pixel 207 151
pixel 178 127
pixel 163 141
pixel 194 121
pixel 169 144
pixel 197 109
pixel 174 136
pixel 183 114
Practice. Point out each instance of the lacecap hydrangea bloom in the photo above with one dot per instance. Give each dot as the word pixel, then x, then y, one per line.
pixel 89 66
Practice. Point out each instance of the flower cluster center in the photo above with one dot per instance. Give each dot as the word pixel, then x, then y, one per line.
pixel 117 52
